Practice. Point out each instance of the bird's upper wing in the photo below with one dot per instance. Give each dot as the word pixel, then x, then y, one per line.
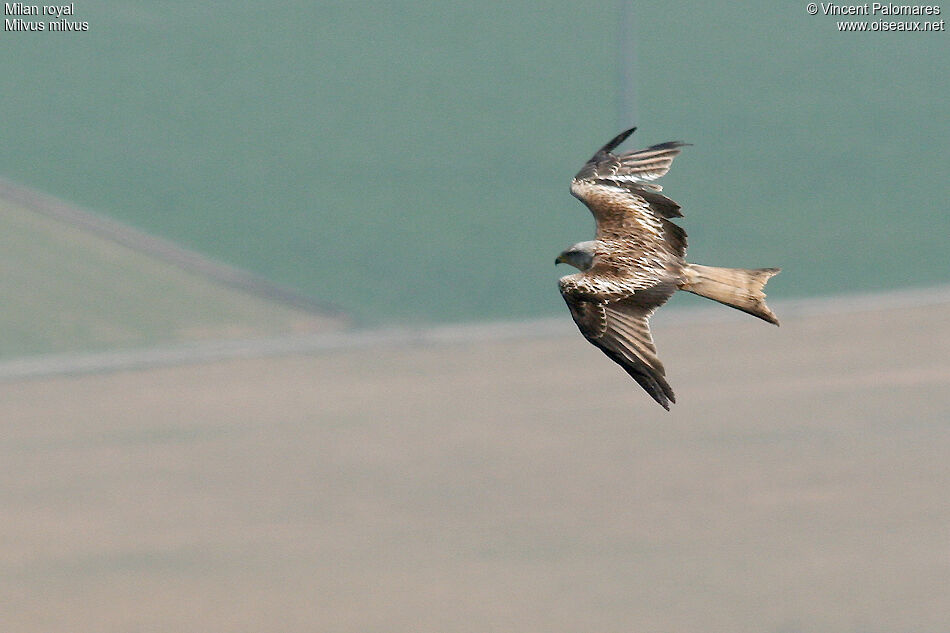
pixel 620 192
pixel 622 331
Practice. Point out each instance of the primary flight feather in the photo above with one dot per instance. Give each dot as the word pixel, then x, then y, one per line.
pixel 637 261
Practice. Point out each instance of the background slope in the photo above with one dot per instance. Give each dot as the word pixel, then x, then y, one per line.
pixel 410 163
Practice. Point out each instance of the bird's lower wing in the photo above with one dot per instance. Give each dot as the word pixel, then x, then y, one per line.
pixel 621 330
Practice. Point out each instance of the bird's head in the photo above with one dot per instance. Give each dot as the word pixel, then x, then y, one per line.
pixel 580 256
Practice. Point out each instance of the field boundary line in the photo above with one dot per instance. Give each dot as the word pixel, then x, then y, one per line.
pixel 165 250
pixel 44 366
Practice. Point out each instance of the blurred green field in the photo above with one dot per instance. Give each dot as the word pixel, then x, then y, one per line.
pixel 410 162
pixel 67 290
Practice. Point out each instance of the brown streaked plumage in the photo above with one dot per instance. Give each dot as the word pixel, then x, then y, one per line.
pixel 637 262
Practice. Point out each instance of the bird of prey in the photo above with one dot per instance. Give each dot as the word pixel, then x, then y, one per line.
pixel 637 262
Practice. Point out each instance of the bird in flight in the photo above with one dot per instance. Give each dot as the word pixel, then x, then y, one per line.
pixel 637 261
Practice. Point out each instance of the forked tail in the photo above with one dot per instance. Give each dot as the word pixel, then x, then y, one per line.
pixel 739 288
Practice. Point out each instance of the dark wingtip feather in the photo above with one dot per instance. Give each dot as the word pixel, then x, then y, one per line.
pixel 654 385
pixel 660 395
pixel 669 145
pixel 617 140
pixel 664 395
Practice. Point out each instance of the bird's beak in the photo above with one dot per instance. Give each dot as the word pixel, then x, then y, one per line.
pixel 559 260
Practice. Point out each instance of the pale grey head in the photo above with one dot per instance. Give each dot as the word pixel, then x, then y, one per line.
pixel 580 256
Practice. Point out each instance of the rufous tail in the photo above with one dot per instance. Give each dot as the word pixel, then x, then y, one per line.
pixel 739 288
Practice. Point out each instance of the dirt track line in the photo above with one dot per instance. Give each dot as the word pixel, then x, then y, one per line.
pixel 211 351
pixel 164 250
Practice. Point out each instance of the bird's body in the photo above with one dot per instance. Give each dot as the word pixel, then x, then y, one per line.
pixel 638 260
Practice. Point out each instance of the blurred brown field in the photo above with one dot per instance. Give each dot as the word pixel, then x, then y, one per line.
pixel 801 484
